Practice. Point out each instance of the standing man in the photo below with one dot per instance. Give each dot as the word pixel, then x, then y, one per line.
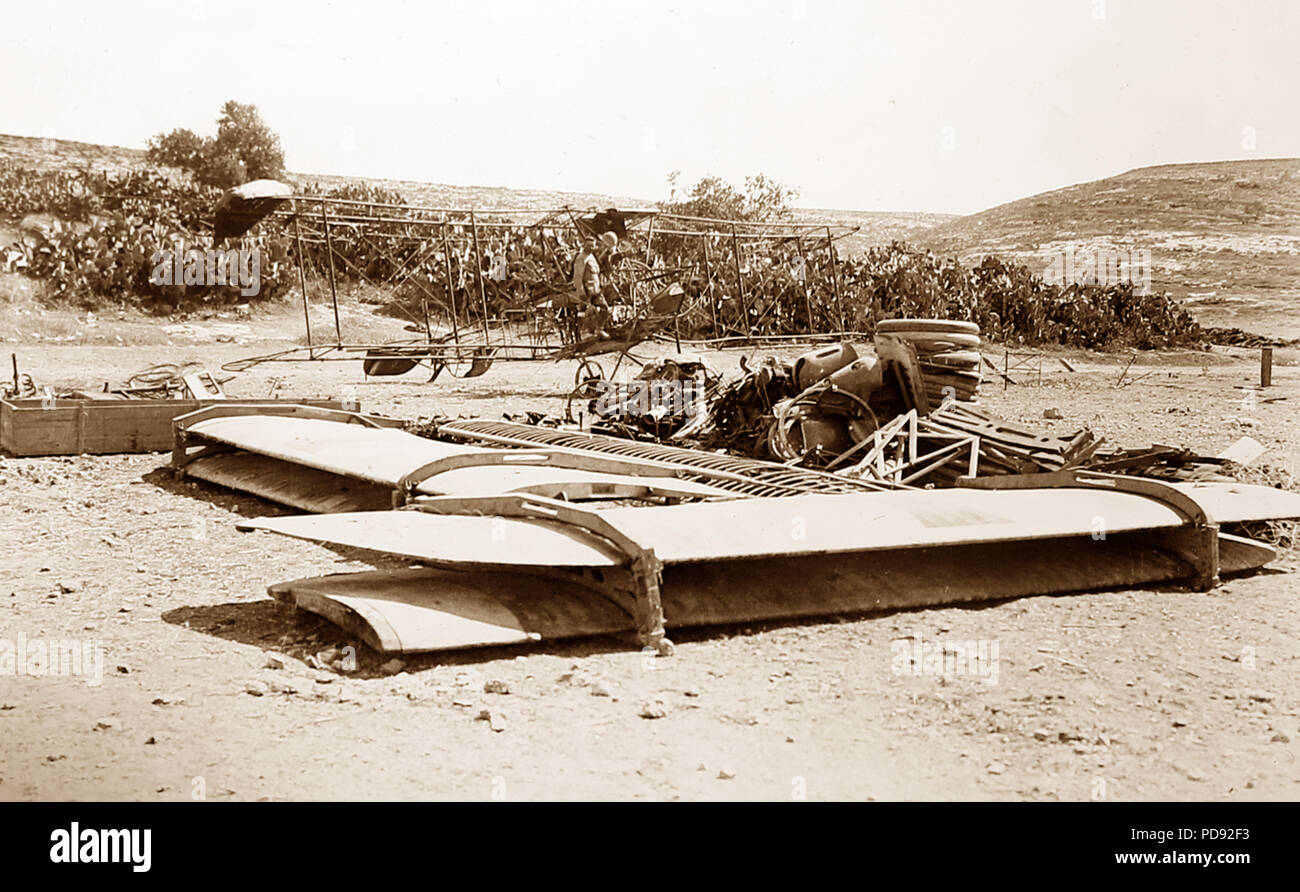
pixel 591 302
pixel 586 271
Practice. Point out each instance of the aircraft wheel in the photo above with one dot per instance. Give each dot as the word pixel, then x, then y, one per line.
pixel 587 374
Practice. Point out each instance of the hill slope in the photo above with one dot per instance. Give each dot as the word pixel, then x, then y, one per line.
pixel 1224 236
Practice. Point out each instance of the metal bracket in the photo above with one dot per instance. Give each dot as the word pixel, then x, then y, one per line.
pixel 645 568
pixel 405 491
pixel 1201 545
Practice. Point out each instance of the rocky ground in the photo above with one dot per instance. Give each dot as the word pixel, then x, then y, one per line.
pixel 211 690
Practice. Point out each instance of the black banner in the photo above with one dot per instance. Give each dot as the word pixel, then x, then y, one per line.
pixel 625 843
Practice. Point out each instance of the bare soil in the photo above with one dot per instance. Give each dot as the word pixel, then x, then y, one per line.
pixel 207 692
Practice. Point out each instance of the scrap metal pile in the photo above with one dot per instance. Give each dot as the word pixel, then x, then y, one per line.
pixel 855 415
pixel 164 380
pixel 812 411
pixel 902 414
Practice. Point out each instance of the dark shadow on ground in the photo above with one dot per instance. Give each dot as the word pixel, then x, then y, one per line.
pixel 282 629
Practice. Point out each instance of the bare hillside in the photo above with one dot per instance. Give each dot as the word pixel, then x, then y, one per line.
pixel 1224 236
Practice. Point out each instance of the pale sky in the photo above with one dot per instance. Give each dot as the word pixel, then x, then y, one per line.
pixel 869 105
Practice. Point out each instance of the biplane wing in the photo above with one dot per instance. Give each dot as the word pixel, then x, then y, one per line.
pixel 316 461
pixel 539 573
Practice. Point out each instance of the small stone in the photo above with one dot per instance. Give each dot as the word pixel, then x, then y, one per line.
pixel 463 703
pixel 107 725
pixel 1194 775
pixel 1260 696
pixel 392 667
pixel 725 774
pixel 495 686
pixel 151 741
pixel 996 768
pixel 652 710
pixel 324 678
pixel 1053 414
pixel 278 687
pixel 168 700
pixel 694 692
pixel 598 689
pixel 255 688
pixel 273 663
pixel 496 721
pixel 122 670
pixel 1279 738
pixel 67 588
pixel 1041 734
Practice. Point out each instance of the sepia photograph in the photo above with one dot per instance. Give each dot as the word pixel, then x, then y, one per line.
pixel 841 401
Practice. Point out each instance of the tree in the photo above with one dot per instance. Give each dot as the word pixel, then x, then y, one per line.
pixel 766 199
pixel 244 149
pixel 242 134
pixel 181 148
pixel 763 199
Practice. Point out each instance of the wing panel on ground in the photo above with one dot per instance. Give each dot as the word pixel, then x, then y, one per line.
pixel 755 528
pixel 428 609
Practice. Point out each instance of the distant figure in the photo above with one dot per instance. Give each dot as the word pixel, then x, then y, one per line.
pixel 586 271
pixel 593 309
pixel 608 242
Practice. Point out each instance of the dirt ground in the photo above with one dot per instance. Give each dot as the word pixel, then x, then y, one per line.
pixel 206 692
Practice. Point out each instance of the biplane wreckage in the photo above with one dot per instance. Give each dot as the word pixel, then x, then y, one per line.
pixel 437 253
pixel 526 533
pixel 533 534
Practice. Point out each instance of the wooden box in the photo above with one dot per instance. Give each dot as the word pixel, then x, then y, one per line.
pixel 95 427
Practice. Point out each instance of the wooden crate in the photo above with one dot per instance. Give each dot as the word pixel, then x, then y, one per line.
pixel 95 427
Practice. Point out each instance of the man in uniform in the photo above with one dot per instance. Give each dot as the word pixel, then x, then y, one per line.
pixel 591 303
